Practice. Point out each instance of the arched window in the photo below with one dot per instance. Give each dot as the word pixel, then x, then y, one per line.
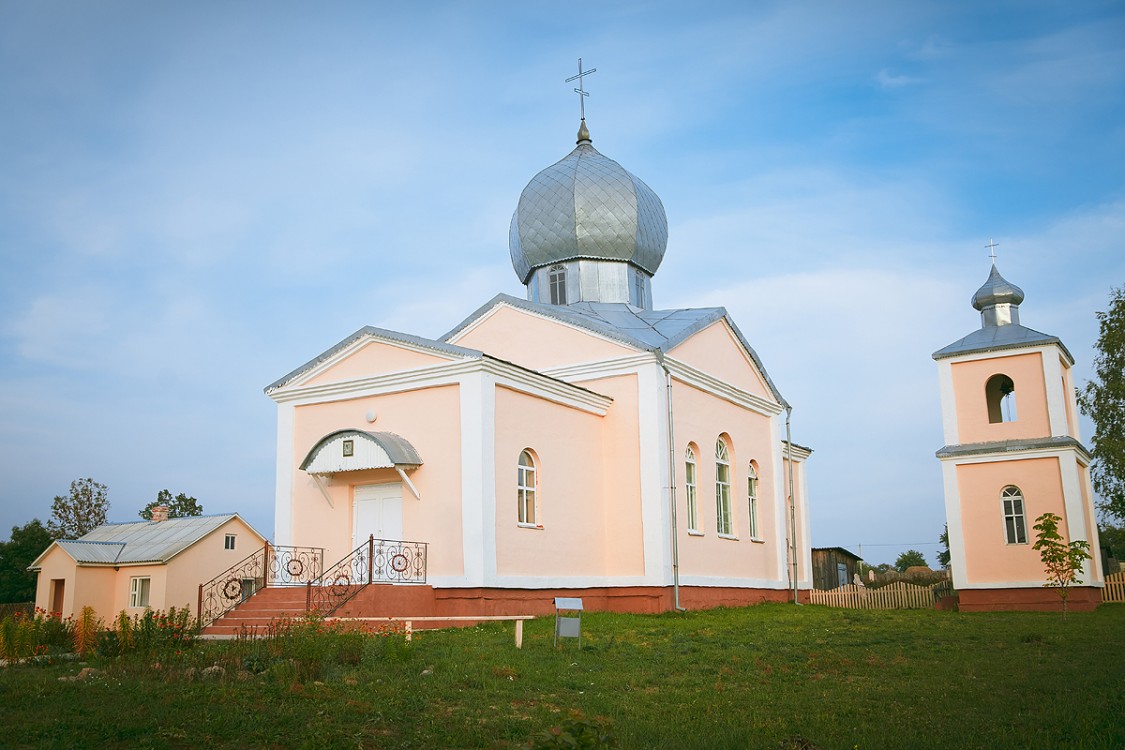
pixel 752 498
pixel 723 521
pixel 1015 526
pixel 1000 393
pixel 525 489
pixel 690 491
pixel 556 281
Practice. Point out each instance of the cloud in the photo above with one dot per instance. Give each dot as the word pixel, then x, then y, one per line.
pixel 888 80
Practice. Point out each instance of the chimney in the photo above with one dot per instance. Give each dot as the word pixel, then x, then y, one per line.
pixel 159 513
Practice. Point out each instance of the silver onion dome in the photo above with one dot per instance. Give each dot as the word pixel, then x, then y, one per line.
pixel 587 206
pixel 998 300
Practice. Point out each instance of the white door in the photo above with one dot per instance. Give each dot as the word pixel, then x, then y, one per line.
pixel 378 511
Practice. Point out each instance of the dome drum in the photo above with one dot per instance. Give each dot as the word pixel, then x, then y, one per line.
pixel 587 280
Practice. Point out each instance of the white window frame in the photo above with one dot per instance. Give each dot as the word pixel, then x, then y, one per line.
pixel 724 521
pixel 691 491
pixel 230 541
pixel 527 495
pixel 752 500
pixel 556 284
pixel 1015 515
pixel 139 589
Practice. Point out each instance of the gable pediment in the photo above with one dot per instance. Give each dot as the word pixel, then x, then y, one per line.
pixel 718 351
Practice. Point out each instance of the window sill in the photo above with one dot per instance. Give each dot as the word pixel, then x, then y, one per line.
pixel 731 537
pixel 757 540
pixel 530 526
pixel 693 532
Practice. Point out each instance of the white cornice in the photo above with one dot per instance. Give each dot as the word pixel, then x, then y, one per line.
pixel 1018 454
pixel 355 346
pixel 1001 353
pixel 683 372
pixel 508 375
pixel 712 385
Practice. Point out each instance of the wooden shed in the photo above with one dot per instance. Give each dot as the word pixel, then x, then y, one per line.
pixel 833 567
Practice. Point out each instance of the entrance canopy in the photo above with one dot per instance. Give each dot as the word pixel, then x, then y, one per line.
pixel 356 450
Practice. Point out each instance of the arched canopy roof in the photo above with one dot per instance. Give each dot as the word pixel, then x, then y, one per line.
pixel 356 450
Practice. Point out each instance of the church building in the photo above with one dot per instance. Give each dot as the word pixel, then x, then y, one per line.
pixel 578 442
pixel 1012 453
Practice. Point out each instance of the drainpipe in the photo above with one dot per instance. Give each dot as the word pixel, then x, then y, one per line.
pixel 672 485
pixel 792 507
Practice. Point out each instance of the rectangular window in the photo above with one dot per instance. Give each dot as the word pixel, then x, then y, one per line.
pixel 557 281
pixel 1014 524
pixel 752 498
pixel 138 592
pixel 723 521
pixel 228 543
pixel 689 491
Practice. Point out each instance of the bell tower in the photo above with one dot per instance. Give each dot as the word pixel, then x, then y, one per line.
pixel 1012 453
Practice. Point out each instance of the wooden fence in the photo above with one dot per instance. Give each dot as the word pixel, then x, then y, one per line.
pixel 897 595
pixel 1114 590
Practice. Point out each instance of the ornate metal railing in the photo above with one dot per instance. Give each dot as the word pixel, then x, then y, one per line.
pixel 374 561
pixel 269 565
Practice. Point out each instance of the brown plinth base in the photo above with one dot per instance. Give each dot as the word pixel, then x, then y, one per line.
pixel 424 601
pixel 1080 599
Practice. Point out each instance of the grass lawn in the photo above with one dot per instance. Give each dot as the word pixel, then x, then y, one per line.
pixel 759 677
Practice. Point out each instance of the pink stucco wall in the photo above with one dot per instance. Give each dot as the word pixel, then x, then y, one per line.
pixel 716 351
pixel 700 418
pixel 569 450
pixel 1026 372
pixel 431 420
pixel 536 342
pixel 374 358
pixel 988 557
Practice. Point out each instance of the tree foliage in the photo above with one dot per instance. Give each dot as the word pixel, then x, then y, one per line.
pixel 1062 560
pixel 17 584
pixel 943 556
pixel 1113 537
pixel 909 559
pixel 82 510
pixel 1103 400
pixel 180 506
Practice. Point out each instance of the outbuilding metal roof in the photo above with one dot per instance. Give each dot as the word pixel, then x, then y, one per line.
pixel 140 541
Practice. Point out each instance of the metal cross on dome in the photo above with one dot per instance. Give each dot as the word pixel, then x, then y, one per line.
pixel 992 245
pixel 581 90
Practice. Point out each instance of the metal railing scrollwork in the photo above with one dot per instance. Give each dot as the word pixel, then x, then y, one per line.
pixel 269 566
pixel 374 561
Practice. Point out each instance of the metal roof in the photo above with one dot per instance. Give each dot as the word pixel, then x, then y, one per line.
pixel 657 331
pixel 587 205
pixel 141 541
pixel 398 449
pixel 1013 446
pixel 997 338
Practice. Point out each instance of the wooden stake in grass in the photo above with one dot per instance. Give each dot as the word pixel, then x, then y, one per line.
pixel 1062 560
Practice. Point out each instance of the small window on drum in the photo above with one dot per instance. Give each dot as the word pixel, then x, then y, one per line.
pixel 556 281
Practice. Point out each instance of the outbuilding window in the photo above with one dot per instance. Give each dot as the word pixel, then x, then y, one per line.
pixel 1015 525
pixel 138 591
pixel 228 543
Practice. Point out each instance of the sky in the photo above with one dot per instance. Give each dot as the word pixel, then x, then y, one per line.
pixel 196 198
